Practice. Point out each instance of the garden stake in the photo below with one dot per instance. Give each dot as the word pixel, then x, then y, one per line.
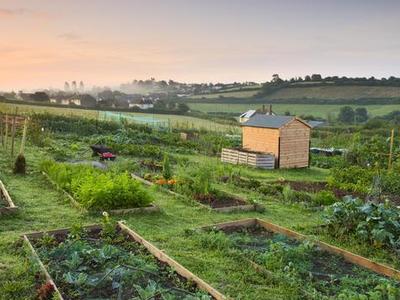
pixel 391 149
pixel 6 134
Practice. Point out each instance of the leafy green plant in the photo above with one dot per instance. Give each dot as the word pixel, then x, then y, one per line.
pixel 324 198
pixel 166 168
pixel 305 270
pixel 107 265
pixel 288 194
pixel 376 224
pixel 95 189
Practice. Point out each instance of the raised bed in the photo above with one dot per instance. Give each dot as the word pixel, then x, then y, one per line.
pixel 7 206
pixel 255 159
pixel 235 204
pixel 150 208
pixel 168 274
pixel 326 258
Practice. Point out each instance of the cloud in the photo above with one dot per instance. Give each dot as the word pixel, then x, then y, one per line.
pixel 69 36
pixel 13 12
pixel 22 12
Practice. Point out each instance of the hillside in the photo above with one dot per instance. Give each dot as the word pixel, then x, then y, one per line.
pixel 324 92
pixel 337 92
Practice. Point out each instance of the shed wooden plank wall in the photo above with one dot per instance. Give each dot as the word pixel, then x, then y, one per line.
pixel 294 145
pixel 261 140
pixel 290 144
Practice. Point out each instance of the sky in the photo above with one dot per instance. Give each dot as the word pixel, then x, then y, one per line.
pixel 44 43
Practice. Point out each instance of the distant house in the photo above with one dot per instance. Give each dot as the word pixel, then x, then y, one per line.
pixel 70 99
pixel 142 103
pixel 287 137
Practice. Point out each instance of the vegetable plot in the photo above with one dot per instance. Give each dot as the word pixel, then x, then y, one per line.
pixel 307 270
pixel 95 189
pixel 108 262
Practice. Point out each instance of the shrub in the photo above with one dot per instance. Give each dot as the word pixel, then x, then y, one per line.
pixel 324 198
pixel 166 172
pixel 196 180
pixel 288 194
pixel 302 197
pixel 352 178
pixel 20 165
pixel 377 224
pixel 391 183
pixel 271 189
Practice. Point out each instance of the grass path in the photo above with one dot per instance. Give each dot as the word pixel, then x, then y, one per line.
pixel 44 208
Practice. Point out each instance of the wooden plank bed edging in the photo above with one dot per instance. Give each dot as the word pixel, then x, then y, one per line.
pixel 172 263
pixel 248 207
pixel 10 208
pixel 151 208
pixel 149 183
pixel 347 255
pixel 161 256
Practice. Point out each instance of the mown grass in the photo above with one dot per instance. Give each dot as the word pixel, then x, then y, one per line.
pixel 44 208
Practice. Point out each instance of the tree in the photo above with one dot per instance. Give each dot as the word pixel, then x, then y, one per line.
pixel 316 77
pixel 346 115
pixel 307 78
pixel 88 100
pixel 160 105
pixel 183 107
pixel 276 79
pixel 361 114
pixel 40 97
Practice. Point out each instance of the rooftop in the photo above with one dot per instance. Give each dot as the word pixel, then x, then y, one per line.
pixel 270 121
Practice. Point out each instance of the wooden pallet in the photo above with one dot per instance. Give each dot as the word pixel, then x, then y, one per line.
pixel 134 237
pixel 258 160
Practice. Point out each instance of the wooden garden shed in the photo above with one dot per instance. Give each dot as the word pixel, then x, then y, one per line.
pixel 287 137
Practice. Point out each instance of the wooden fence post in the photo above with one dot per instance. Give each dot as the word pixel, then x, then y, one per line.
pixel 6 134
pixel 22 148
pixel 1 130
pixel 13 136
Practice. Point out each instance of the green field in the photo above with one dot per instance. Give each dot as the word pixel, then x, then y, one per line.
pixel 316 92
pixel 163 120
pixel 234 94
pixel 337 92
pixel 319 110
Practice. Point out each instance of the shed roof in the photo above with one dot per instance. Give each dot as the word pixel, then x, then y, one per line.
pixel 270 121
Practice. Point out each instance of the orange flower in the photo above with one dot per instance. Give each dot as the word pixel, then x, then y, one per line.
pixel 161 181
